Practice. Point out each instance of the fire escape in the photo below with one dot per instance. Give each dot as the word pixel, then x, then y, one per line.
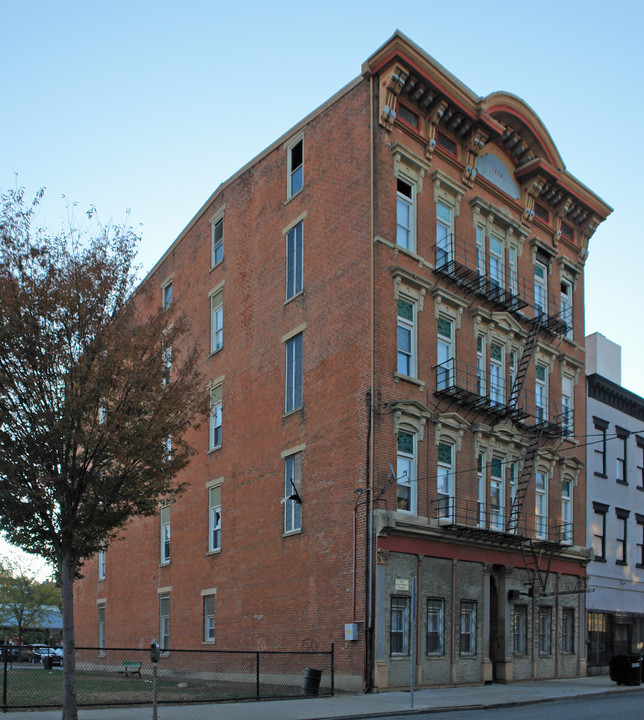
pixel 464 386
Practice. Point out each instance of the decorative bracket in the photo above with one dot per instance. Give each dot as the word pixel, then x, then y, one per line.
pixel 477 142
pixel 393 82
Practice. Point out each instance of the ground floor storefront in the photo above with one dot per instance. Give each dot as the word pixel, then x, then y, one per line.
pixel 613 633
pixel 469 614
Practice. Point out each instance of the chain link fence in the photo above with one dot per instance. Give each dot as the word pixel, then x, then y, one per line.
pixel 123 676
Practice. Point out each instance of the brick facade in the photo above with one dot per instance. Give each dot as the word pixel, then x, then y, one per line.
pixel 362 528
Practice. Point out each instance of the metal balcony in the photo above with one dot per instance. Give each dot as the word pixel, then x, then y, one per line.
pixel 459 262
pixel 474 520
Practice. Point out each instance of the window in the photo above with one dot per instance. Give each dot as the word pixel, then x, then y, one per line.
pixel 567 232
pixel 540 288
pixel 292 492
pixel 520 629
pixel 101 626
pixel 541 504
pixel 405 215
pixel 513 475
pixel 217 254
pixel 409 116
pixel 101 564
pixel 216 419
pixel 445 481
pixel 167 295
pixel 406 472
pixel 294 259
pixel 540 212
pixel 496 262
pixel 513 275
pixel 640 466
pixel 545 630
pixel 214 518
pixel 481 476
pixel 497 494
pixel 445 354
pixel 480 250
pixel 480 366
pixel 164 622
pixel 406 338
pixel 167 369
pixel 566 306
pixel 217 321
pixel 446 143
pixel 399 635
pixel 566 512
pixel 620 468
pixel 293 373
pixel 600 446
pixel 497 375
pixel 639 560
pixel 621 545
pixel 567 417
pixel 295 168
pixel 444 233
pixel 435 626
pixel 165 534
pixel 599 531
pixel 209 618
pixel 513 369
pixel 568 631
pixel 541 394
pixel 468 628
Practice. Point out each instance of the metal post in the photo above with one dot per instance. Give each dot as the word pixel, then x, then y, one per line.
pixel 154 691
pixel 413 638
pixel 4 685
pixel 257 674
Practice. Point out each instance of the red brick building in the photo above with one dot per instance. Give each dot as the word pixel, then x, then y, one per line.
pixel 389 301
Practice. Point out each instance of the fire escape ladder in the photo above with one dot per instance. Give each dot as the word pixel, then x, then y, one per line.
pixel 537 576
pixel 524 480
pixel 526 357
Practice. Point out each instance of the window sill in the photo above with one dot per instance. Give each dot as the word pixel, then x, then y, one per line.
pixel 165 563
pixel 214 449
pixel 216 265
pixel 217 551
pixel 214 352
pixel 640 487
pixel 621 482
pixel 601 475
pixel 623 563
pixel 101 579
pixel 640 566
pixel 290 533
pixel 395 658
pixel 294 195
pixel 293 297
pixel 208 642
pixel 599 559
pixel 408 378
pixel 292 412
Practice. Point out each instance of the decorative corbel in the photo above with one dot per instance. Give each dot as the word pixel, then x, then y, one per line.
pixel 393 82
pixel 532 191
pixel 587 231
pixel 477 142
pixel 433 119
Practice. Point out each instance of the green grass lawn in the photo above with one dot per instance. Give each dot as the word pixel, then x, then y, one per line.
pixel 33 686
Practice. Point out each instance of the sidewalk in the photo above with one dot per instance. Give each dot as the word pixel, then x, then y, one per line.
pixel 360 706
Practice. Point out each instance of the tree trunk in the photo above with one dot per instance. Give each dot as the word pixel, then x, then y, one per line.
pixel 70 703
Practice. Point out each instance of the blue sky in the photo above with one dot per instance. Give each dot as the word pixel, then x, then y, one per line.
pixel 148 106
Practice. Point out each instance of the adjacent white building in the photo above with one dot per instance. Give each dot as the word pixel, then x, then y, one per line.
pixel 615 507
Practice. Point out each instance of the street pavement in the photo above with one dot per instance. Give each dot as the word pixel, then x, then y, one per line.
pixel 346 705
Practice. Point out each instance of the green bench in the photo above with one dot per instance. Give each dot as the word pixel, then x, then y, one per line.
pixel 132 666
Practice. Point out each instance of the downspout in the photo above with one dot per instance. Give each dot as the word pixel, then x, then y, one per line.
pixel 369 629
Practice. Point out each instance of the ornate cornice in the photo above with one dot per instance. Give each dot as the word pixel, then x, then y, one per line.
pixel 615 396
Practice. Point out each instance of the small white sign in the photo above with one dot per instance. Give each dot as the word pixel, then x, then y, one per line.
pixel 402 585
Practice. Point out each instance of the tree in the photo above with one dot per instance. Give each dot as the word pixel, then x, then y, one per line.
pixel 98 390
pixel 24 602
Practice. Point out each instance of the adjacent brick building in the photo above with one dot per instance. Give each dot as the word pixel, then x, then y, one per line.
pixel 390 305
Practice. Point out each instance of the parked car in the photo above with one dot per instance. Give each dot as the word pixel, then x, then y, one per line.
pixel 19 653
pixel 42 651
